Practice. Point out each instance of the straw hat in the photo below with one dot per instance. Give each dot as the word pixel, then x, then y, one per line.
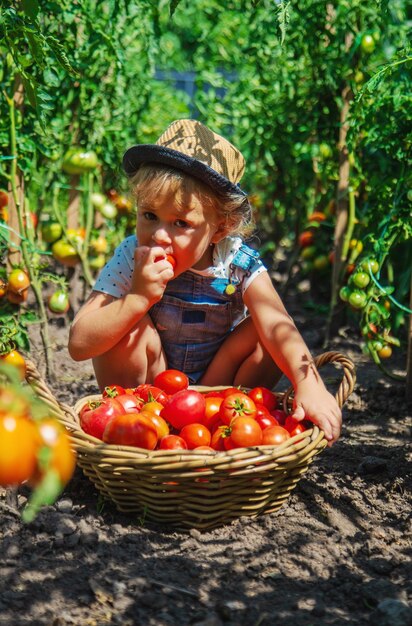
pixel 190 146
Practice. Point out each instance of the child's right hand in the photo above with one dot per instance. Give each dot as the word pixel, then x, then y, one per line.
pixel 150 276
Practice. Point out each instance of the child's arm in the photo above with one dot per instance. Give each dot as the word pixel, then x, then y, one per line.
pixel 103 320
pixel 287 348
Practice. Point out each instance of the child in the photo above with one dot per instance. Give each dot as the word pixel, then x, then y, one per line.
pixel 144 315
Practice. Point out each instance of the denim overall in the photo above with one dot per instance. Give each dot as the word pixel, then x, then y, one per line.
pixel 197 313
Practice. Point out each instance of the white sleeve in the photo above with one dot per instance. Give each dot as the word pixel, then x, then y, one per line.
pixel 255 272
pixel 116 277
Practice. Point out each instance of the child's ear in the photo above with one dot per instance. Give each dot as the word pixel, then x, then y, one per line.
pixel 220 233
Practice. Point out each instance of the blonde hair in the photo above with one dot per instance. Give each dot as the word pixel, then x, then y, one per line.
pixel 232 209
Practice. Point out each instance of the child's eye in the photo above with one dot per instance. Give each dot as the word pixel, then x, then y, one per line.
pixel 149 216
pixel 181 224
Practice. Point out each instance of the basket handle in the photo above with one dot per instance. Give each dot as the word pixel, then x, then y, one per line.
pixel 35 380
pixel 348 381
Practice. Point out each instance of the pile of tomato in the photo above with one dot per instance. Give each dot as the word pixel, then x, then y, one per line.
pixel 168 415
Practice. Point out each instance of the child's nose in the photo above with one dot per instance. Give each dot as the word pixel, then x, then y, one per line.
pixel 161 235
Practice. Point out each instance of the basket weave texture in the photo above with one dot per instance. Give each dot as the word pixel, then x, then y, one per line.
pixel 189 489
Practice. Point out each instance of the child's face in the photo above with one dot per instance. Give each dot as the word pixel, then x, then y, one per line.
pixel 182 226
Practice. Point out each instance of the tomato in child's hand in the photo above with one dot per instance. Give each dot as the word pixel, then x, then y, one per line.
pixel 274 436
pixel 169 258
pixel 262 395
pixel 171 381
pixel 184 407
pixel 131 429
pixel 195 435
pixel 172 442
pixel 236 405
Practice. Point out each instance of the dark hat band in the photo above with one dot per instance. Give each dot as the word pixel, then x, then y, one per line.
pixel 135 156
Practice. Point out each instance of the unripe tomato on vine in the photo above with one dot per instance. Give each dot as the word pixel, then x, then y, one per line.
pixel 17 360
pixel 58 302
pixel 18 281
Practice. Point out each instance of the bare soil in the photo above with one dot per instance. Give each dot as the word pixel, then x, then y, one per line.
pixel 338 552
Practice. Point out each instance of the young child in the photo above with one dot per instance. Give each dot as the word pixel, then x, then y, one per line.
pixel 186 293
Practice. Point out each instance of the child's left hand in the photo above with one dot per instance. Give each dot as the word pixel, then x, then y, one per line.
pixel 314 402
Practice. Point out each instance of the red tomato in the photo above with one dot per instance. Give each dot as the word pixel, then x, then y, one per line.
pixel 129 402
pixel 228 391
pixel 262 395
pixel 236 405
pixel 162 427
pixel 212 411
pixel 111 391
pixel 213 394
pixel 153 407
pixel 172 442
pixel 196 435
pixel 274 435
pixel 294 427
pixel 184 407
pixel 171 381
pixel 218 438
pixel 148 393
pixel 264 418
pixel 279 415
pixel 94 416
pixel 244 432
pixel 131 429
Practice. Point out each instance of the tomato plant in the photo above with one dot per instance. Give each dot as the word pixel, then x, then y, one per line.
pixel 171 381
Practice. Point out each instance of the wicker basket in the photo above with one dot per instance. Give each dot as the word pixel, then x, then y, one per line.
pixel 189 489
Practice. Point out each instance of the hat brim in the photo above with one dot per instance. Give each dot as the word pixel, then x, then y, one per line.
pixel 135 156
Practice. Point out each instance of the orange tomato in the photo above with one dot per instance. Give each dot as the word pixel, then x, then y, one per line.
pixel 17 360
pixel 19 443
pixel 62 458
pixel 18 281
pixel 274 436
pixel 317 216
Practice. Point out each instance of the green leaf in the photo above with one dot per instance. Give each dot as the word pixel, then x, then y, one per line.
pixel 31 8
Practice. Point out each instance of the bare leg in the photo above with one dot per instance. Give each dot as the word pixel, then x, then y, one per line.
pixel 136 359
pixel 242 360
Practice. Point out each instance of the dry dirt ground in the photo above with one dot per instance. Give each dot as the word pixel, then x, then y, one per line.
pixel 338 552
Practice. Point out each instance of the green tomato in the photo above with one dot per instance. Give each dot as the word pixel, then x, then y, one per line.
pixel 357 299
pixel 98 200
pixel 97 262
pixel 308 253
pixel 368 44
pixel 372 264
pixel 344 293
pixel 108 211
pixel 409 195
pixel 360 279
pixel 65 253
pixel 51 231
pixel 325 150
pixel 78 161
pixel 321 262
pixel 59 301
